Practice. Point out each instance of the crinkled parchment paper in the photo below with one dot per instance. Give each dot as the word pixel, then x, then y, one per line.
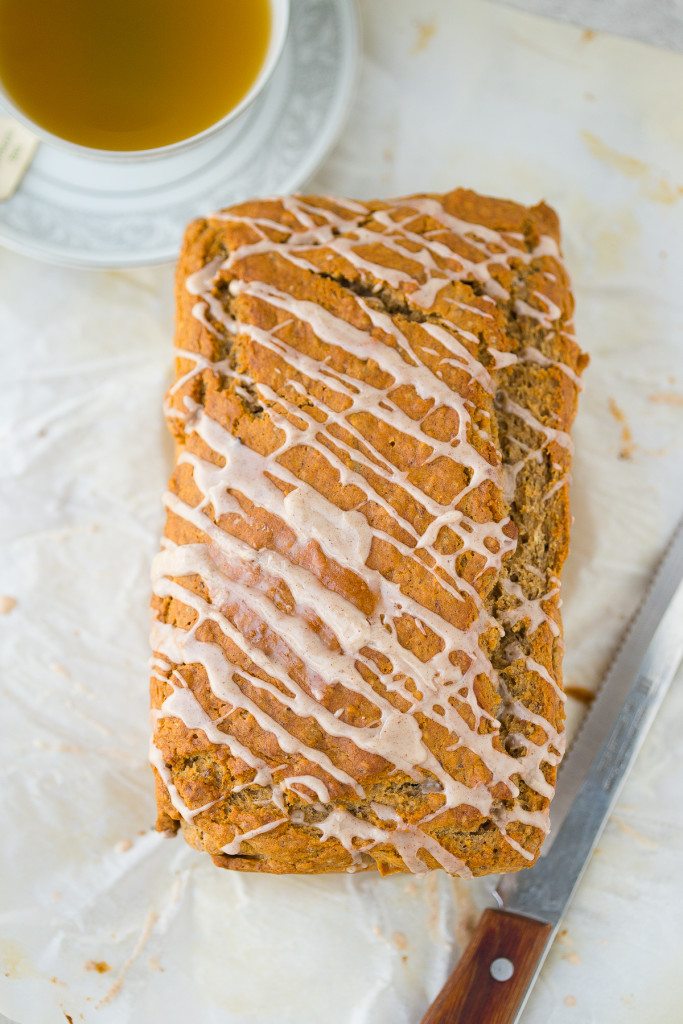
pixel 103 921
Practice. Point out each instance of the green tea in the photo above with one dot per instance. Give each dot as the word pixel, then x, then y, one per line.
pixel 130 74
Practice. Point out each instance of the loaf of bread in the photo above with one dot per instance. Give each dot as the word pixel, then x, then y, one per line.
pixel 357 638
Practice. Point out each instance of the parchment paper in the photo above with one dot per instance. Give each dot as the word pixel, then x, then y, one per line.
pixel 103 921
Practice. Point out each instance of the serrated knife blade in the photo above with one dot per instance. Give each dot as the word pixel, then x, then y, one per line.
pixel 496 973
pixel 617 681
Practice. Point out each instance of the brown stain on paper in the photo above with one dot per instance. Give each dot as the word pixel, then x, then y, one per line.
pixel 627 449
pixel 652 184
pixel 674 398
pixel 143 939
pixel 617 236
pixel 566 943
pixel 633 833
pixel 424 33
pixel 15 962
pixel 100 966
pixel 630 166
pixel 467 913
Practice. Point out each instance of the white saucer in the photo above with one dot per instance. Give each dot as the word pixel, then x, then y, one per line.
pixel 94 213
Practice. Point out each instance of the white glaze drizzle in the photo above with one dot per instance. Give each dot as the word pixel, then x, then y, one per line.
pixel 534 355
pixel 224 563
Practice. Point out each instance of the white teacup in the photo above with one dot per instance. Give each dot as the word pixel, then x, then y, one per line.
pixel 235 117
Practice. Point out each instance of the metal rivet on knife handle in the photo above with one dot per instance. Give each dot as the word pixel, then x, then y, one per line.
pixel 502 969
pixel 492 976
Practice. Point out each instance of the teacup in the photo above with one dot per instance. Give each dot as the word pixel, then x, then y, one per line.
pixel 278 16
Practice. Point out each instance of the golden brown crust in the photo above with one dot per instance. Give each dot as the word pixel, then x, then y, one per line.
pixel 518 425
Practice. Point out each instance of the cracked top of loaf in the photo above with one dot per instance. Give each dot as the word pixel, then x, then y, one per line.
pixel 357 638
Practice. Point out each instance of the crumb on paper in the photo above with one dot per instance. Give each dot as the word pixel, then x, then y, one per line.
pixel 154 964
pixel 123 845
pixel 400 940
pixel 667 398
pixel 100 966
pixel 566 942
pixel 570 1000
pixel 588 35
pixel 69 1018
pixel 627 447
pixel 580 693
pixel 7 604
pixel 424 33
pixel 377 931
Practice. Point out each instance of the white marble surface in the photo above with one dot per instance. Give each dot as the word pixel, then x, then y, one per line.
pixel 451 93
pixel 658 21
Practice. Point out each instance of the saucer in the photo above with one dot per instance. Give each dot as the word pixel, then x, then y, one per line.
pixel 84 212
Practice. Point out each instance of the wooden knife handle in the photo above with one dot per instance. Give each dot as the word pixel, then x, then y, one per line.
pixel 472 994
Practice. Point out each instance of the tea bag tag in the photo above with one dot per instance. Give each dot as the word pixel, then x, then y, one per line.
pixel 17 148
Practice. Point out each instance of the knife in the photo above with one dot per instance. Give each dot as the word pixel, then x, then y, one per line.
pixel 493 978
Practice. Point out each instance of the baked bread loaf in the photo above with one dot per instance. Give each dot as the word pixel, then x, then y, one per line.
pixel 357 638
